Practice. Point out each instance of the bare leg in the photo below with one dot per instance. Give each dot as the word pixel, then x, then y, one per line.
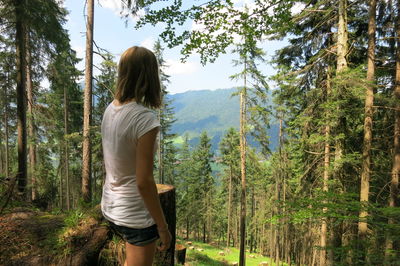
pixel 139 255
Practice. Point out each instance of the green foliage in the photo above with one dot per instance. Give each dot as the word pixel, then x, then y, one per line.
pixel 220 21
pixel 73 217
pixel 166 158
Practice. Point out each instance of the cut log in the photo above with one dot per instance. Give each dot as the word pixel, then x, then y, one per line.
pixel 167 200
pixel 89 253
pixel 180 254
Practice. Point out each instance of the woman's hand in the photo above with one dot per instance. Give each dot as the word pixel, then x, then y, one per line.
pixel 165 238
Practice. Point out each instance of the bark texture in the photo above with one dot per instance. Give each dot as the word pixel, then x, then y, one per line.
pixel 242 257
pixel 180 254
pixel 31 120
pixel 167 200
pixel 368 112
pixel 326 173
pixel 66 148
pixel 87 117
pixel 395 173
pixel 21 95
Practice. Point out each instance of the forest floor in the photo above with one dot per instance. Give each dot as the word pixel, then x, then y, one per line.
pixel 202 254
pixel 31 237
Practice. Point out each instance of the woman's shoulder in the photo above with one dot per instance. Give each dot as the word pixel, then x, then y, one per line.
pixel 143 110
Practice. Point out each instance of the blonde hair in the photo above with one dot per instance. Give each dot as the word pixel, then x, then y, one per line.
pixel 138 77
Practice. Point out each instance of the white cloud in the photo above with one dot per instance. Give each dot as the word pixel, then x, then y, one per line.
pixel 118 8
pixel 148 43
pixel 243 2
pixel 80 51
pixel 175 67
pixel 114 5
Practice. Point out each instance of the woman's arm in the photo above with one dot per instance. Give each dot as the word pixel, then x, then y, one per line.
pixel 146 185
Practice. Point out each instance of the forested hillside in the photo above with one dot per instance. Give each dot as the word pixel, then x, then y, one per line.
pixel 308 171
pixel 211 111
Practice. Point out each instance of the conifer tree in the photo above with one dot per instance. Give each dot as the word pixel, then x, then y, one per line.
pixel 204 183
pixel 230 151
pixel 87 111
pixel 166 148
pixel 185 184
pixel 367 141
pixel 103 94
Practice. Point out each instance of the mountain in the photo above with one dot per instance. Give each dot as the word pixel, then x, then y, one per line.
pixel 213 111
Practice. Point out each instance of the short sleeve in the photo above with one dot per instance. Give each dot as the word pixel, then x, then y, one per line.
pixel 146 121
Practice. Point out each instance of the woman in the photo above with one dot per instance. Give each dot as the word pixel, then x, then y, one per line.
pixel 129 129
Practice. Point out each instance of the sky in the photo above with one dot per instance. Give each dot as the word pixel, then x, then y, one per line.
pixel 111 32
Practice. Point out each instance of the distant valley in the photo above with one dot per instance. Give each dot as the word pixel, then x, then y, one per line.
pixel 213 111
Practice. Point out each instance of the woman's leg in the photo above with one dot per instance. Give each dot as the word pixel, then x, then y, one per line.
pixel 139 255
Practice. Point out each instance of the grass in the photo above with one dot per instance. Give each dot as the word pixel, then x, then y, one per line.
pixel 210 255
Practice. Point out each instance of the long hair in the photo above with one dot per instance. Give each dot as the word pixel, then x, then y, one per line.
pixel 138 77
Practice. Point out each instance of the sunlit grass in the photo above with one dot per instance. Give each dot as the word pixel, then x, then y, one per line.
pixel 210 255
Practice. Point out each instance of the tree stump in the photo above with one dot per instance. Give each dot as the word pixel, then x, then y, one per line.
pixel 167 199
pixel 180 254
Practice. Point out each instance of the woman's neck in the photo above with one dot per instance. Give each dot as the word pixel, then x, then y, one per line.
pixel 118 103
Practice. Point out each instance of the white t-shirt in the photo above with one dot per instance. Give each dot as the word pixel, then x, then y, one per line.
pixel 121 127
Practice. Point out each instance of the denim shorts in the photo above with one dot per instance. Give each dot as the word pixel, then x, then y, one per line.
pixel 137 237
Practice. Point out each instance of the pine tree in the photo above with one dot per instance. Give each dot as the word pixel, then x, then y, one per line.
pixel 103 94
pixel 230 151
pixel 87 111
pixel 166 148
pixel 203 191
pixel 186 188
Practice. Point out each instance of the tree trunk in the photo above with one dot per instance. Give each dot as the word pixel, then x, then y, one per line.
pixel 204 232
pixel 368 112
pixel 6 137
pixel 21 95
pixel 228 238
pixel 242 258
pixel 167 200
pixel 394 183
pixel 66 148
pixel 251 219
pixel 271 240
pixel 180 254
pixel 31 120
pixel 342 38
pixel 160 145
pixel 276 234
pixel 87 154
pixel 341 65
pixel 59 173
pixel 187 229
pixel 325 188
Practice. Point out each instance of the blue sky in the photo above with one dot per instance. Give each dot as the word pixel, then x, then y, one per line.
pixel 112 34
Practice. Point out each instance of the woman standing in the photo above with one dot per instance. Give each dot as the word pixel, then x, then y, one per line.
pixel 129 129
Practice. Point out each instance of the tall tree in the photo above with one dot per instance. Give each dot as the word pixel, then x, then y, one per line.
pixel 394 245
pixel 166 150
pixel 31 120
pixel 103 94
pixel 20 41
pixel 230 151
pixel 249 54
pixel 368 113
pixel 203 191
pixel 185 183
pixel 87 116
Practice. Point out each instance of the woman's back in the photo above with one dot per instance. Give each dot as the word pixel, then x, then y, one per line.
pixel 121 127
